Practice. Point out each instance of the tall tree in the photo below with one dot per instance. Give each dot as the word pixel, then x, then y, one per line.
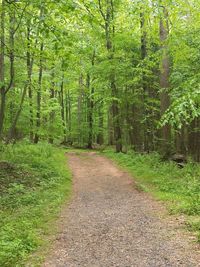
pixel 2 68
pixel 164 78
pixel 109 21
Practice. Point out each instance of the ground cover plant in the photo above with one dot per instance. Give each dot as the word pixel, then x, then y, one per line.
pixel 180 187
pixel 34 182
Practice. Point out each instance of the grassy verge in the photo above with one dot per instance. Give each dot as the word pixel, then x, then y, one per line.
pixel 34 182
pixel 179 187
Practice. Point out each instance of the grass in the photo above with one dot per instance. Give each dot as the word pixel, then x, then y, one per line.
pixel 180 188
pixel 34 182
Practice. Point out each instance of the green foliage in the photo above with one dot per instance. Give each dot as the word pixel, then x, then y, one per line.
pixel 77 67
pixel 183 110
pixel 184 45
pixel 96 81
pixel 179 187
pixel 30 198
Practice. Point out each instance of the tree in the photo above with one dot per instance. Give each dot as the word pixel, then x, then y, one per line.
pixel 164 79
pixel 102 72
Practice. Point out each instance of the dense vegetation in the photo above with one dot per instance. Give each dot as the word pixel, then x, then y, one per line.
pixel 180 188
pixel 34 184
pixel 94 73
pixel 122 73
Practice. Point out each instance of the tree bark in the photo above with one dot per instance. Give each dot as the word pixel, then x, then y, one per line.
pixel 90 106
pixel 100 135
pixel 62 103
pixel 29 65
pixel 52 113
pixel 164 82
pixel 110 33
pixel 11 134
pixel 2 68
pixel 194 139
pixel 12 47
pixel 145 126
pixel 69 115
pixel 38 114
pixel 80 116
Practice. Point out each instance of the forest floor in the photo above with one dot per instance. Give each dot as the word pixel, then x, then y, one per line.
pixel 109 222
pixel 34 184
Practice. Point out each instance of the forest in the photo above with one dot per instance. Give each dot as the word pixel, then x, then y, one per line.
pixel 89 73
pixel 121 77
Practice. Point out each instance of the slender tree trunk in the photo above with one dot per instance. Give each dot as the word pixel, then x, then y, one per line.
pixel 2 68
pixel 64 123
pixel 110 127
pixel 40 76
pixel 29 65
pixel 69 116
pixel 52 113
pixel 80 116
pixel 11 134
pixel 100 135
pixel 2 110
pixel 110 32
pixel 164 81
pixel 90 118
pixel 146 127
pixel 194 139
pixel 38 114
pixel 3 88
pixel 90 106
pixel 116 117
pixel 180 140
pixel 136 131
pixel 12 47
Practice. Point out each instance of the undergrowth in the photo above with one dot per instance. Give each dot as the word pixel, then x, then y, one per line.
pixel 179 187
pixel 34 182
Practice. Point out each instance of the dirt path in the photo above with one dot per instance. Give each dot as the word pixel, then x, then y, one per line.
pixel 110 223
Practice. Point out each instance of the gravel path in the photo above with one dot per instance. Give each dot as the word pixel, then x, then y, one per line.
pixel 110 223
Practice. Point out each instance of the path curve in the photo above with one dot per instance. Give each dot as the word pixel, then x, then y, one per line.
pixel 110 223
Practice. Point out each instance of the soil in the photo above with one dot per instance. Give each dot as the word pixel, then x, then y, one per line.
pixel 109 222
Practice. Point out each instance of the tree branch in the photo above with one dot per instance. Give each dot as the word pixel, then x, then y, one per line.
pixel 101 10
